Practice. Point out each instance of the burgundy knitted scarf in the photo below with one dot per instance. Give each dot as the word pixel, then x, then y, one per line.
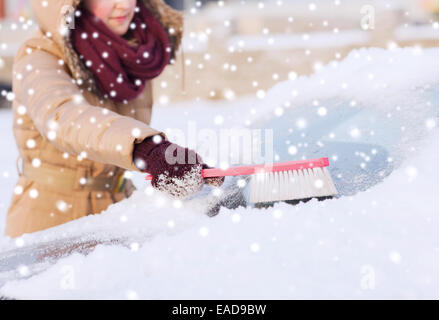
pixel 119 68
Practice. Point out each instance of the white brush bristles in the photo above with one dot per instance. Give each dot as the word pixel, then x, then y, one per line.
pixel 291 185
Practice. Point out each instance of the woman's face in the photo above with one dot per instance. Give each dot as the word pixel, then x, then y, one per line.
pixel 116 14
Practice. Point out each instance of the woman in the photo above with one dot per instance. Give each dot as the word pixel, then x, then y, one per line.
pixel 82 108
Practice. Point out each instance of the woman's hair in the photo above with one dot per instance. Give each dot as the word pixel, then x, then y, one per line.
pixel 129 36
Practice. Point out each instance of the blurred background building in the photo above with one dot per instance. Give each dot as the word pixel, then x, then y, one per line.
pixel 236 48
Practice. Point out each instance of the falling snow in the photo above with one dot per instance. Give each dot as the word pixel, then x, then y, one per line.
pixel 389 232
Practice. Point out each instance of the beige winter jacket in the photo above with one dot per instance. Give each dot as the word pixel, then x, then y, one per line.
pixel 63 123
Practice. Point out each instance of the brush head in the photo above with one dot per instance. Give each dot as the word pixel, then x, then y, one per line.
pixel 282 181
pixel 291 185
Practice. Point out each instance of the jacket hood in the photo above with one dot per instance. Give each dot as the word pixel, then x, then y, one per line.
pixel 51 16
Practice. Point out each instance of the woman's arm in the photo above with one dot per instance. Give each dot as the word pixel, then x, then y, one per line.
pixel 62 115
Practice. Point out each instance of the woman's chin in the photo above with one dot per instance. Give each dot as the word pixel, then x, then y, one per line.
pixel 120 30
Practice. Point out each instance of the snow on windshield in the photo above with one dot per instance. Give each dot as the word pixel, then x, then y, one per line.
pixel 381 243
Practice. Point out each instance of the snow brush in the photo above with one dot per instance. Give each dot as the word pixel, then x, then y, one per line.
pixel 292 180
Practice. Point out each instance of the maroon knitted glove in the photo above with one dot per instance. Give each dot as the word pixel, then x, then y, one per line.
pixel 175 170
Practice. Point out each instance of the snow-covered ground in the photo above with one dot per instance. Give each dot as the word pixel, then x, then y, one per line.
pixel 381 243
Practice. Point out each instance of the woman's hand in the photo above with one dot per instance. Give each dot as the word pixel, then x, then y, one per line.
pixel 175 170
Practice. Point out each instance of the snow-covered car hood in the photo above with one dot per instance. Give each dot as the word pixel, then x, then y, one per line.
pixel 374 114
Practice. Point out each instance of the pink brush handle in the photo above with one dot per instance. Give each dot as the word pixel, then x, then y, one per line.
pixel 275 167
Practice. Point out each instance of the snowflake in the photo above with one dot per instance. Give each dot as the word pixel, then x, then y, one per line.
pixel 292 150
pixel 277 214
pixel 254 247
pixel 61 206
pixel 219 119
pixel 132 295
pixel 278 111
pixel 78 98
pixel 319 184
pixel 217 192
pixel 33 193
pixel 36 162
pixel 10 96
pixel 171 224
pixel 23 270
pixel 18 190
pixel 177 204
pixel 260 94
pixel 136 132
pixel 301 123
pixel 236 218
pixel 355 133
pixel 163 100
pixel 149 191
pixel 430 124
pixel 395 257
pixel 157 138
pixel 322 111
pixel 411 172
pixel 30 143
pixel 19 242
pixel 204 231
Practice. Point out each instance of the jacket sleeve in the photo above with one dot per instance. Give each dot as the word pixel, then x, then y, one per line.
pixel 62 115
